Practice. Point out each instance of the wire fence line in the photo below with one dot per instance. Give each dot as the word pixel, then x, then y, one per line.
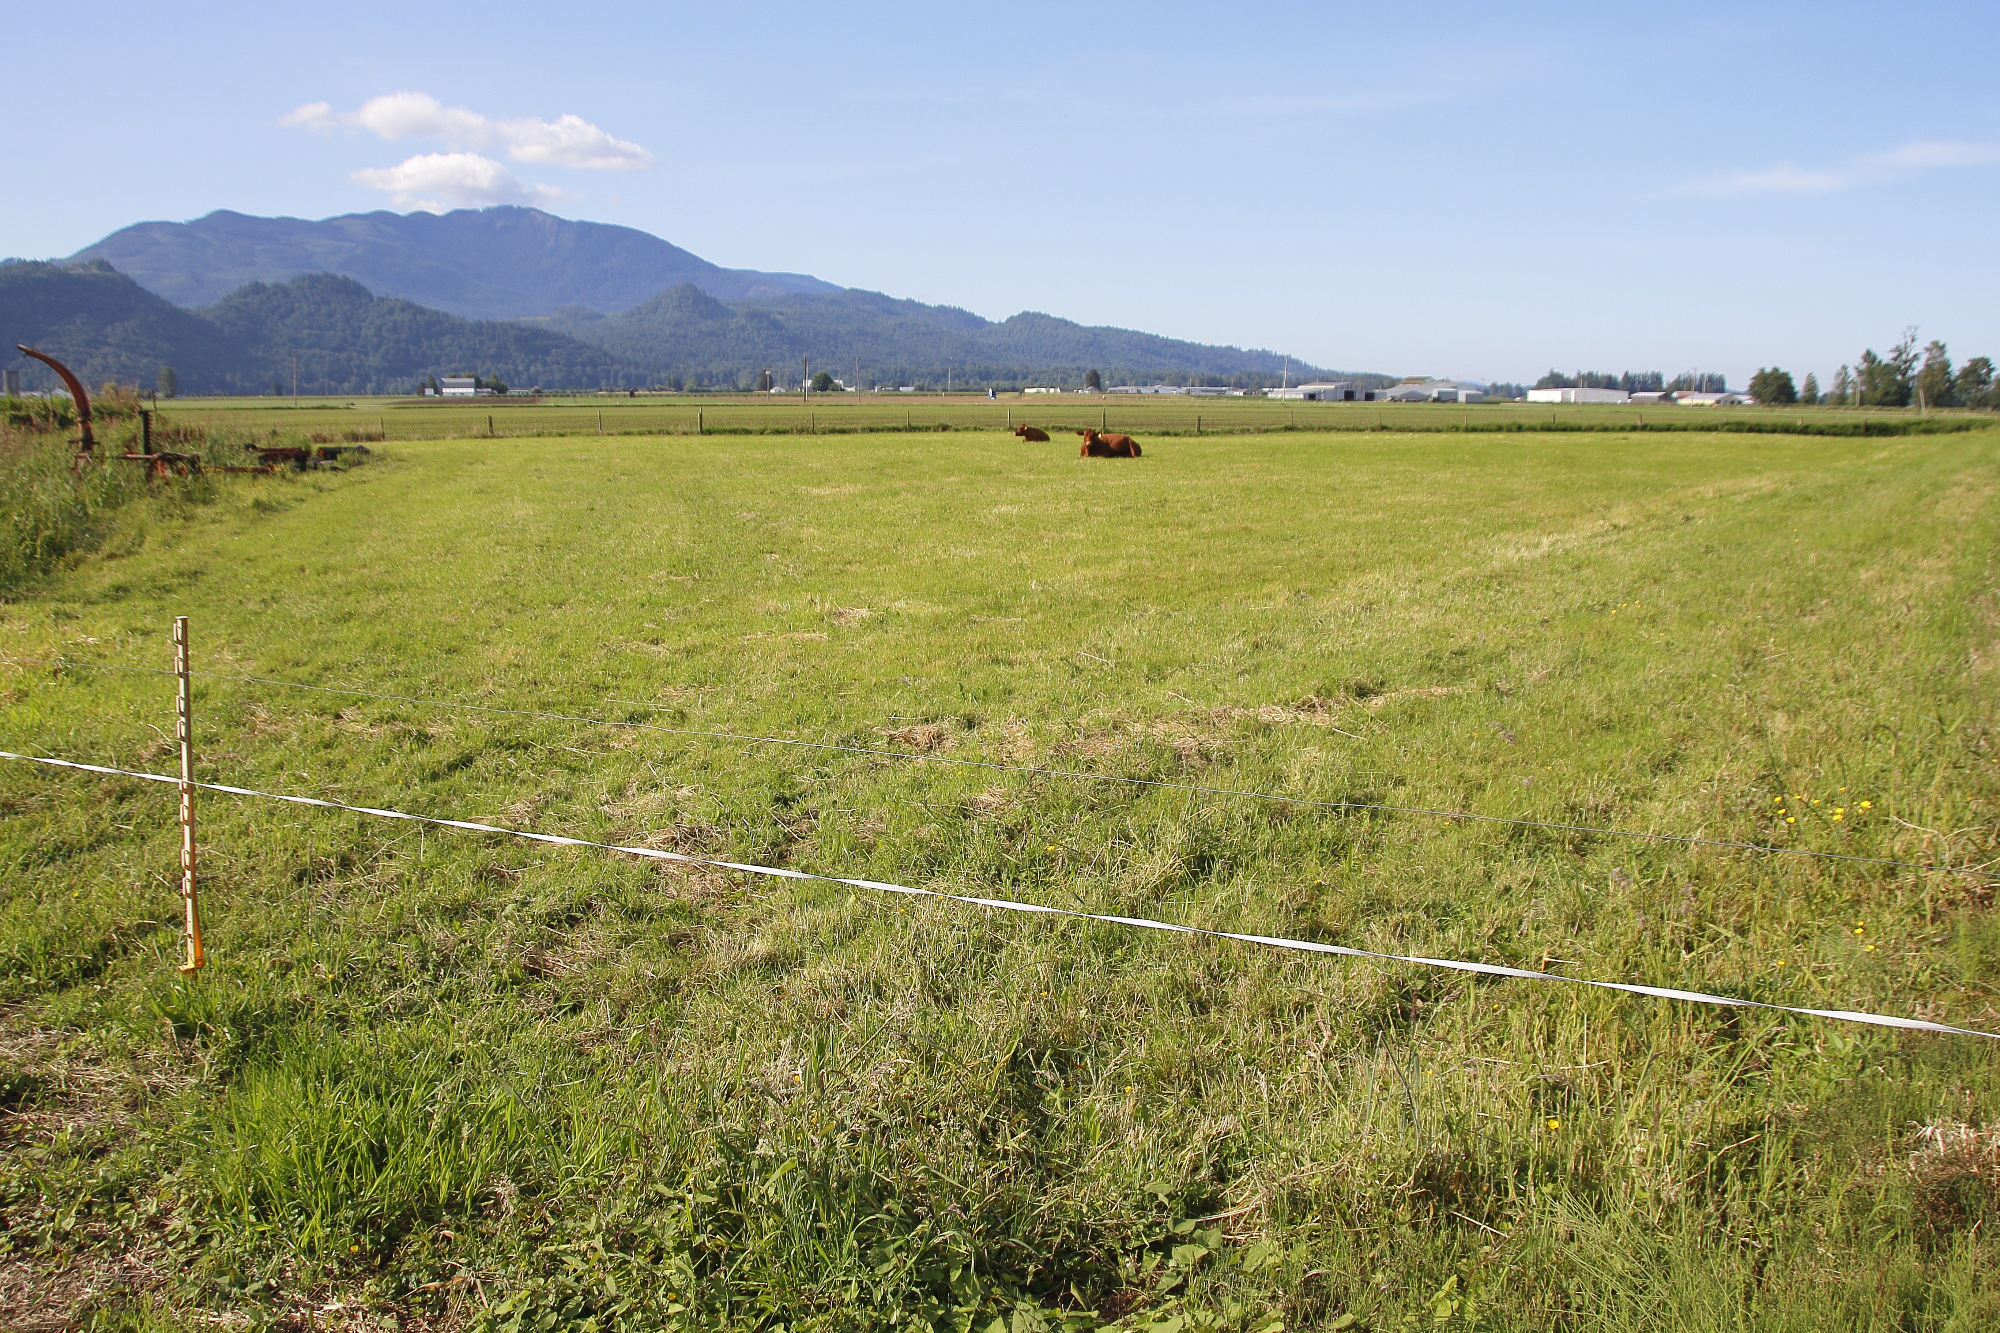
pixel 1038 909
pixel 1461 816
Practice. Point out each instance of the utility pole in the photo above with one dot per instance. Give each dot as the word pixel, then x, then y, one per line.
pixel 295 379
pixel 805 380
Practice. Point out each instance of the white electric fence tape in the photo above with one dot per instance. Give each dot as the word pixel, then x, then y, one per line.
pixel 1003 904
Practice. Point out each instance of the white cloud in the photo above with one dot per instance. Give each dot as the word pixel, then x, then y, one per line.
pixel 421 116
pixel 1862 169
pixel 1934 153
pixel 313 116
pixel 569 141
pixel 461 178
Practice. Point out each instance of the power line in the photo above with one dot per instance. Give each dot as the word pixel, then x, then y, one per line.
pixel 1679 839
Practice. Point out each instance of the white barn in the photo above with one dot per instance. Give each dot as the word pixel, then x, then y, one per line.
pixel 1433 391
pixel 1336 391
pixel 1578 396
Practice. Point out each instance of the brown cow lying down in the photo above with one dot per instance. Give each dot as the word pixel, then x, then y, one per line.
pixel 1099 445
pixel 1035 433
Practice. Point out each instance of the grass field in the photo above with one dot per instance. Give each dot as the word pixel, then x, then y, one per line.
pixel 618 414
pixel 442 1079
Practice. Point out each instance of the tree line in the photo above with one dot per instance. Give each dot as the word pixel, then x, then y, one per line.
pixel 1637 381
pixel 1905 377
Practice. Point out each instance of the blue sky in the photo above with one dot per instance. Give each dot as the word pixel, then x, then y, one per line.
pixel 1471 190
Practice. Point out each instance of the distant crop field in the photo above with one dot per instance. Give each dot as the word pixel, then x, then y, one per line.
pixel 648 414
pixel 471 1082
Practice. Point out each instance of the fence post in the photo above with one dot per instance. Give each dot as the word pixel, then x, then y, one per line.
pixel 699 427
pixel 184 733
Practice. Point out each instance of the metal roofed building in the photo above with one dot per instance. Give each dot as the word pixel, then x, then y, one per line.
pixel 1578 396
pixel 1184 390
pixel 1336 391
pixel 1433 391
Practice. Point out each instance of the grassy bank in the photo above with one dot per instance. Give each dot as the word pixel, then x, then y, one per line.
pixel 460 1082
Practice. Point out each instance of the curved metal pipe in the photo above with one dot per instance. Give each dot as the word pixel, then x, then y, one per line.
pixel 89 441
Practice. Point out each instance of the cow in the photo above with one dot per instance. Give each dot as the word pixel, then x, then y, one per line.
pixel 1033 433
pixel 1096 444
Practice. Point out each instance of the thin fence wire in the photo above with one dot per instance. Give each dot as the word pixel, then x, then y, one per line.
pixel 1465 816
pixel 1495 970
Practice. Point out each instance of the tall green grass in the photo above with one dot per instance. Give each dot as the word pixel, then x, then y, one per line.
pixel 467 1082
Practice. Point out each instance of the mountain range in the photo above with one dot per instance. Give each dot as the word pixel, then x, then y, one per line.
pixel 375 302
pixel 490 263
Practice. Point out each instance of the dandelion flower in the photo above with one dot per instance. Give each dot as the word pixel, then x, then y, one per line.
pixel 1868 805
pixel 1781 962
pixel 1555 1124
pixel 1791 819
pixel 1869 947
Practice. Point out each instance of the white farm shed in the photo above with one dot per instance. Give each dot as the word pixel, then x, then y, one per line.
pixel 1338 391
pixel 1578 396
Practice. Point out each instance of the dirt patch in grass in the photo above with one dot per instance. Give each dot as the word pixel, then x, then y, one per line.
pixel 925 737
pixel 1955 1171
pixel 55 1087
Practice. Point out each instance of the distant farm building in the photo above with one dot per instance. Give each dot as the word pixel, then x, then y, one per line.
pixel 1044 388
pixel 1711 399
pixel 1185 390
pixel 1338 391
pixel 462 386
pixel 1578 396
pixel 1432 391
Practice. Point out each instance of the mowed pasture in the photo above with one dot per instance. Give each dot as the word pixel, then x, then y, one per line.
pixel 456 1080
pixel 677 414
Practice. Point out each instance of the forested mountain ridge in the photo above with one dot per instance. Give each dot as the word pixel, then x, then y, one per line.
pixel 374 302
pixel 489 263
pixel 349 341
pixel 346 340
pixel 685 331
